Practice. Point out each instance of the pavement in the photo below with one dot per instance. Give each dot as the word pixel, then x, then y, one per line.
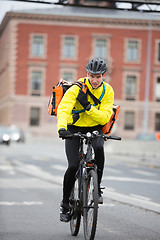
pixel 140 152
pixel 146 153
pixel 135 151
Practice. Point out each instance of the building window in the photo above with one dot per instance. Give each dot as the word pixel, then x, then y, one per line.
pixel 157 122
pixel 100 50
pixel 35 116
pixel 129 121
pixel 130 88
pixel 159 52
pixel 132 51
pixel 38 46
pixel 157 89
pixel 36 83
pixel 69 47
pixel 68 76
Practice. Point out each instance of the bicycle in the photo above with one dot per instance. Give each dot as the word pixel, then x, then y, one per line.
pixel 84 194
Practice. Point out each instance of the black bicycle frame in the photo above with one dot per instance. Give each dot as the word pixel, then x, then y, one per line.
pixel 86 163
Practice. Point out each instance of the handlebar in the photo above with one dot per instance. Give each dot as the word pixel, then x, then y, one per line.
pixel 92 135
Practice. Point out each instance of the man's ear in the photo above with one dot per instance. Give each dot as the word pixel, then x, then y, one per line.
pixel 104 75
pixel 87 74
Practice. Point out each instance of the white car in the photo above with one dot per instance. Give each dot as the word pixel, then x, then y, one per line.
pixel 4 135
pixel 16 134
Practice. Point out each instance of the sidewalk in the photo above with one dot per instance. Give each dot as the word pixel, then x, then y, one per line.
pixel 135 151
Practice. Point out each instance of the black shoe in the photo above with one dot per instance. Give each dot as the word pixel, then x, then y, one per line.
pixel 64 212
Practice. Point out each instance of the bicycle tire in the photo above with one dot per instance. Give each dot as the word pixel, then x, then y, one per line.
pixel 90 205
pixel 76 214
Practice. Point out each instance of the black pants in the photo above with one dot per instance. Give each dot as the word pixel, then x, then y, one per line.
pixel 72 150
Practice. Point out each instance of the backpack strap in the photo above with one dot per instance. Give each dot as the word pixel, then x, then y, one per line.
pixel 96 100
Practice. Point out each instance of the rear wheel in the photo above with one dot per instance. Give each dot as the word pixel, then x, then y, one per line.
pixel 75 210
pixel 90 205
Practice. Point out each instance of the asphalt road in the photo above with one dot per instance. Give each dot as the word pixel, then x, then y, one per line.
pixel 30 193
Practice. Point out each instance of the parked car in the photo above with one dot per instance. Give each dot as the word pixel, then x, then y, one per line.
pixel 4 135
pixel 16 134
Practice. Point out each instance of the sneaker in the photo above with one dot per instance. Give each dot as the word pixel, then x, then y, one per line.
pixel 100 198
pixel 64 213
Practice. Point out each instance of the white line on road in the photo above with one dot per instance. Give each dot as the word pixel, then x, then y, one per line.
pixel 59 167
pixel 20 203
pixel 37 172
pixel 142 203
pixel 112 170
pixel 140 197
pixel 145 173
pixel 126 179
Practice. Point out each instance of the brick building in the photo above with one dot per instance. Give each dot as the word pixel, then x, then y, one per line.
pixel 38 47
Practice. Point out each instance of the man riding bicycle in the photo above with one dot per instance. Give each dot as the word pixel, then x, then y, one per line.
pixel 92 117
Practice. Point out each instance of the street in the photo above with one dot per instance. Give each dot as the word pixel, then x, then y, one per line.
pixel 31 189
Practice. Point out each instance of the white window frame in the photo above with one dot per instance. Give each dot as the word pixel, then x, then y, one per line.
pixel 36 92
pixel 44 55
pixel 130 96
pixel 68 69
pixel 99 36
pixel 129 129
pixel 138 50
pixel 34 125
pixel 40 92
pixel 157 51
pixel 63 38
pixel 155 122
pixel 136 74
pixel 157 90
pixel 104 54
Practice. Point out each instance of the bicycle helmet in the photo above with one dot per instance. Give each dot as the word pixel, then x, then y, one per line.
pixel 96 66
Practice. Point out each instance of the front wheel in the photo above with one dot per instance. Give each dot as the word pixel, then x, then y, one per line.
pixel 90 205
pixel 75 211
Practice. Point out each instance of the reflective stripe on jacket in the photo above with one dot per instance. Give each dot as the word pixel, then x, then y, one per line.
pixel 99 114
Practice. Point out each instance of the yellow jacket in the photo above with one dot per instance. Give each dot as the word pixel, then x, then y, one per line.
pixel 97 115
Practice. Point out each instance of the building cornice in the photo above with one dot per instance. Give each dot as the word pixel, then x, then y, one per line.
pixel 142 23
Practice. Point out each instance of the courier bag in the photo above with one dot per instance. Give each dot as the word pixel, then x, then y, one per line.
pixel 58 92
pixel 107 128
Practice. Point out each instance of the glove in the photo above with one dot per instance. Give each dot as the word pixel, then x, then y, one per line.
pixel 82 98
pixel 63 133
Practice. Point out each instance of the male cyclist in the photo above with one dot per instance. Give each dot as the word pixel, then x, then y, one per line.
pixel 93 118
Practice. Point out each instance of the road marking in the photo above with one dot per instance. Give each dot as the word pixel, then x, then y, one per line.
pixel 145 173
pixel 123 179
pixel 20 203
pixel 7 168
pixel 23 184
pixel 140 197
pixel 59 167
pixel 142 203
pixel 40 158
pixel 112 170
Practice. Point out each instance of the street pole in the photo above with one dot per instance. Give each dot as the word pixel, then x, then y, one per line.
pixel 147 79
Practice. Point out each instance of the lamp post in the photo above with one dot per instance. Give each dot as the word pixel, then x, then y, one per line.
pixel 147 78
